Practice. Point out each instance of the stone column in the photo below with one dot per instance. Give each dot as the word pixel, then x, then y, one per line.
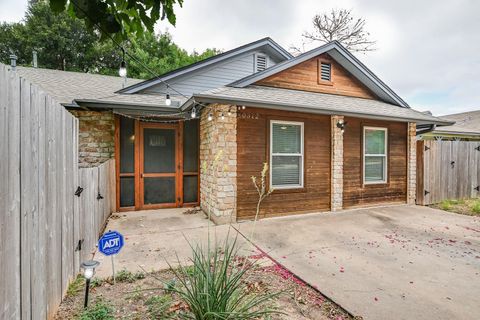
pixel 218 162
pixel 411 162
pixel 336 202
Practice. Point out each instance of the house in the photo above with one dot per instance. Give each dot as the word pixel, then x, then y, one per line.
pixel 333 134
pixel 465 128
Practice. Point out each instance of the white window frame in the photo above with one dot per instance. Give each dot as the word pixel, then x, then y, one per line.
pixel 301 155
pixel 385 155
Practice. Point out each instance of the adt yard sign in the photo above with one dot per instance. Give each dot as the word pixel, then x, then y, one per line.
pixel 110 243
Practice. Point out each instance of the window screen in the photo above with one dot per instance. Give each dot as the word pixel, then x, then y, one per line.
pixel 286 154
pixel 375 155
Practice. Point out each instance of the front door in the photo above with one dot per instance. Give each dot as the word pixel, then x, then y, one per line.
pixel 159 166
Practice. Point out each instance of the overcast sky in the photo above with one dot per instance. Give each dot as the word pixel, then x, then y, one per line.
pixel 428 50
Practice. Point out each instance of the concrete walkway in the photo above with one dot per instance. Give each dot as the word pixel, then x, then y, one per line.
pixel 399 262
pixel 155 238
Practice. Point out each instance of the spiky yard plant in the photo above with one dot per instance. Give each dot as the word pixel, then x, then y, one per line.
pixel 214 288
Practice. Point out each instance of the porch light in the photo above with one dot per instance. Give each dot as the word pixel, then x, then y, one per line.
pixel 341 125
pixel 168 101
pixel 122 72
pixel 243 107
pixel 222 116
pixel 194 113
pixel 210 117
pixel 88 272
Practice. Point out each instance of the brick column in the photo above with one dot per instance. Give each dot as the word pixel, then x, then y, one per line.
pixel 96 137
pixel 411 162
pixel 336 202
pixel 218 161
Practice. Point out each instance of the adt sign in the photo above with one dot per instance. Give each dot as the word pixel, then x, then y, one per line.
pixel 110 243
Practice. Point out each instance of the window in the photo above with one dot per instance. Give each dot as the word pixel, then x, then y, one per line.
pixel 286 154
pixel 374 155
pixel 325 71
pixel 261 62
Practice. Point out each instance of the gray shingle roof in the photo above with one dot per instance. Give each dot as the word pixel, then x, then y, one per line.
pixel 316 103
pixel 465 123
pixel 67 87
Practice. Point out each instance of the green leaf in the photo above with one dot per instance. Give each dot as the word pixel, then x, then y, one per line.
pixel 58 5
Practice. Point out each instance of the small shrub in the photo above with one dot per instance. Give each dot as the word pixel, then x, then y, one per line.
pixel 127 276
pixel 96 282
pixel 100 310
pixel 216 287
pixel 158 306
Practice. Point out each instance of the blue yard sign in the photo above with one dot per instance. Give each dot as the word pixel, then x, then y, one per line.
pixel 110 243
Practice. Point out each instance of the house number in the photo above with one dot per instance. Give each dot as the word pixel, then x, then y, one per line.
pixel 249 115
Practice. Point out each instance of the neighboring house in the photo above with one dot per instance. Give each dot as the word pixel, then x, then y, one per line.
pixel 466 128
pixel 334 135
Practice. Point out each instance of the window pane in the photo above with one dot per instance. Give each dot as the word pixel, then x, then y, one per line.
pixel 190 146
pixel 286 170
pixel 127 141
pixel 190 189
pixel 374 141
pixel 286 138
pixel 374 169
pixel 127 192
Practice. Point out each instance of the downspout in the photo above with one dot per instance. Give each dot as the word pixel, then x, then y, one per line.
pixel 430 128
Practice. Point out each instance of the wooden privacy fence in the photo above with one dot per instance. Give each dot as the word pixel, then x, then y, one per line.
pixel 42 222
pixel 447 170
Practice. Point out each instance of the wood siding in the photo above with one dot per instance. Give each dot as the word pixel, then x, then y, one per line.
pixel 253 150
pixel 355 193
pixel 304 76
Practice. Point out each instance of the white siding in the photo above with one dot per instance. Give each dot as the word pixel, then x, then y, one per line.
pixel 211 77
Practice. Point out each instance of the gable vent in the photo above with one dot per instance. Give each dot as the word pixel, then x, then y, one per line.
pixel 326 71
pixel 260 62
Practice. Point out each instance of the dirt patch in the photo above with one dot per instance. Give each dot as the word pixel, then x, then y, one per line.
pixel 146 296
pixel 470 207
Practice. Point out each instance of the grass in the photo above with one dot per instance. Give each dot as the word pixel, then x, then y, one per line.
pixel 100 310
pixel 463 206
pixel 76 286
pixel 158 306
pixel 127 276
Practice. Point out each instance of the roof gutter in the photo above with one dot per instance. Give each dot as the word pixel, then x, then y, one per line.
pixel 426 130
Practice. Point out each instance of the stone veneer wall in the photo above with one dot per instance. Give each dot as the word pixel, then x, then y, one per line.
pixel 412 162
pixel 96 137
pixel 336 202
pixel 218 163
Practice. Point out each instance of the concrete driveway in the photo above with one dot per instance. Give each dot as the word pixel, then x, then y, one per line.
pixel 397 262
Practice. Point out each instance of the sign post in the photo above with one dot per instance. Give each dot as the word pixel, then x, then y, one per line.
pixel 110 244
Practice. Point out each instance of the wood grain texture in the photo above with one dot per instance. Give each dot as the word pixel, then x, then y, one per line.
pixel 447 170
pixel 304 76
pixel 252 152
pixel 355 193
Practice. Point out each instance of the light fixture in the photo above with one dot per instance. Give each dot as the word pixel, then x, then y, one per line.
pixel 168 101
pixel 210 117
pixel 122 72
pixel 341 125
pixel 88 272
pixel 222 116
pixel 230 111
pixel 194 113
pixel 243 107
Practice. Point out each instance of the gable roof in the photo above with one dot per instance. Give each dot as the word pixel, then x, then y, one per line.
pixel 345 59
pixel 466 123
pixel 313 102
pixel 265 43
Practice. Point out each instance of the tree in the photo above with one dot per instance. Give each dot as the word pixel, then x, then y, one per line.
pixel 65 43
pixel 340 25
pixel 119 18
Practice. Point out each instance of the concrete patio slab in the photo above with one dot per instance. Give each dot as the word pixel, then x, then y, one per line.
pixel 397 262
pixel 155 238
